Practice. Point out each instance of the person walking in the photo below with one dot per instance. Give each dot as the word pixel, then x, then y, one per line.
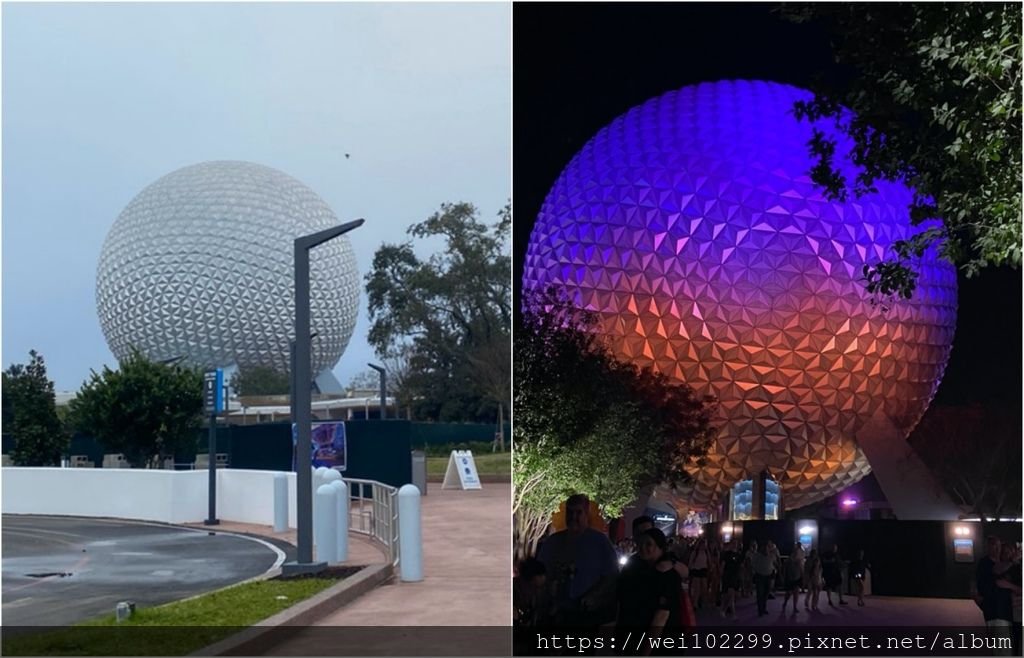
pixel 747 572
pixel 812 576
pixel 764 567
pixel 994 593
pixel 792 576
pixel 698 564
pixel 831 571
pixel 857 572
pixel 656 599
pixel 581 565
pixel 801 557
pixel 731 565
pixel 773 553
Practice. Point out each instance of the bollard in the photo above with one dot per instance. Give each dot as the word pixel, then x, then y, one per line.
pixel 280 502
pixel 318 477
pixel 317 482
pixel 325 527
pixel 410 534
pixel 341 491
pixel 330 476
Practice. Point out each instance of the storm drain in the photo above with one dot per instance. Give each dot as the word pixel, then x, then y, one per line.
pixel 50 574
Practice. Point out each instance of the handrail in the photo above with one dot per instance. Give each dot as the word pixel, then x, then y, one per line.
pixel 373 511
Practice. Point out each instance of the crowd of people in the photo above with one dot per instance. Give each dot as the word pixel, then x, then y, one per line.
pixel 657 583
pixel 578 578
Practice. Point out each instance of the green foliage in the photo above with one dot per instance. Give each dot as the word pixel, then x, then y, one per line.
pixel 935 93
pixel 587 423
pixel 447 317
pixel 175 629
pixel 30 414
pixel 260 380
pixel 144 410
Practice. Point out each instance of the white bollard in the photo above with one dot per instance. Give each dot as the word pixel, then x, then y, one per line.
pixel 341 491
pixel 326 525
pixel 330 476
pixel 280 502
pixel 318 481
pixel 410 534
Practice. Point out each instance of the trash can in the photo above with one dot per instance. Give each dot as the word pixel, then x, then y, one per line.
pixel 419 471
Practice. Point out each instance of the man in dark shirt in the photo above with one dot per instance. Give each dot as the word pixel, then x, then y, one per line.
pixel 635 580
pixel 582 564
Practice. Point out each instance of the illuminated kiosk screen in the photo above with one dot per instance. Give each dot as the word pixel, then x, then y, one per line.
pixel 742 501
pixel 771 500
pixel 329 445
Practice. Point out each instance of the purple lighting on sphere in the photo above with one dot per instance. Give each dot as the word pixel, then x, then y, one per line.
pixel 691 228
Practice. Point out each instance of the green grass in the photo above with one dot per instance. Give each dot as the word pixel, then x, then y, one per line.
pixel 174 629
pixel 490 463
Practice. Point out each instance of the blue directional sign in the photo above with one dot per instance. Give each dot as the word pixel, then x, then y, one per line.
pixel 213 391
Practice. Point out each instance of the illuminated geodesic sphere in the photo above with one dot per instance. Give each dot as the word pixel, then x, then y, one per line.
pixel 200 265
pixel 691 227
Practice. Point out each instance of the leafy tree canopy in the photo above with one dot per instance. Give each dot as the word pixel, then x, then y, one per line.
pixel 260 380
pixel 30 414
pixel 935 94
pixel 440 311
pixel 144 410
pixel 587 423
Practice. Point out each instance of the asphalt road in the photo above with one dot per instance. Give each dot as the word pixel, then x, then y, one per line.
pixel 62 570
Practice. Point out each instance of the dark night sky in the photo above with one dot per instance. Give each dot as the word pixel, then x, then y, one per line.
pixel 578 66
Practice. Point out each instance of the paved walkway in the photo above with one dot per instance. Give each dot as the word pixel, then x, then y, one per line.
pixel 467 579
pixel 877 611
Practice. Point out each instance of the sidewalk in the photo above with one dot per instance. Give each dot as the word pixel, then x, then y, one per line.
pixel 878 611
pixel 467 580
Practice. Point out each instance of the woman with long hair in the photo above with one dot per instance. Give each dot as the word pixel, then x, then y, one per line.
pixel 812 575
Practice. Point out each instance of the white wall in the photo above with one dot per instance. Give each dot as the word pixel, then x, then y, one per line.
pixel 151 495
pixel 248 496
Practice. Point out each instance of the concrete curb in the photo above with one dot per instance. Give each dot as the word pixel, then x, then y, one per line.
pixel 254 640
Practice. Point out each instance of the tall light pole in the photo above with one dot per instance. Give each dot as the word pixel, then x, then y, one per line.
pixel 302 400
pixel 383 389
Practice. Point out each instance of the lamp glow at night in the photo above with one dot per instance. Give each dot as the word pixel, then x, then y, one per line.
pixel 692 230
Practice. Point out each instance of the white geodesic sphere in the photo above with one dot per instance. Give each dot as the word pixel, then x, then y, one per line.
pixel 200 265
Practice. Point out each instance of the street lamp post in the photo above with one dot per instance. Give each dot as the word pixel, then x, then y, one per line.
pixel 302 401
pixel 383 389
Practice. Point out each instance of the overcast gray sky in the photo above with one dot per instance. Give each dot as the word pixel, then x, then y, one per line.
pixel 101 100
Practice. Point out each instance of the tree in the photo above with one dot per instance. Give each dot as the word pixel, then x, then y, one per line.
pixel 397 363
pixel 367 380
pixel 491 365
pixel 975 451
pixel 145 410
pixel 935 95
pixel 260 380
pixel 587 423
pixel 30 414
pixel 443 309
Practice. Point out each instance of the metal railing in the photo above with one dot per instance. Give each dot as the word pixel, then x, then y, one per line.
pixel 373 511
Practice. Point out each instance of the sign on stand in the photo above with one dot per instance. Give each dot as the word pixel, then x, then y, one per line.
pixel 461 473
